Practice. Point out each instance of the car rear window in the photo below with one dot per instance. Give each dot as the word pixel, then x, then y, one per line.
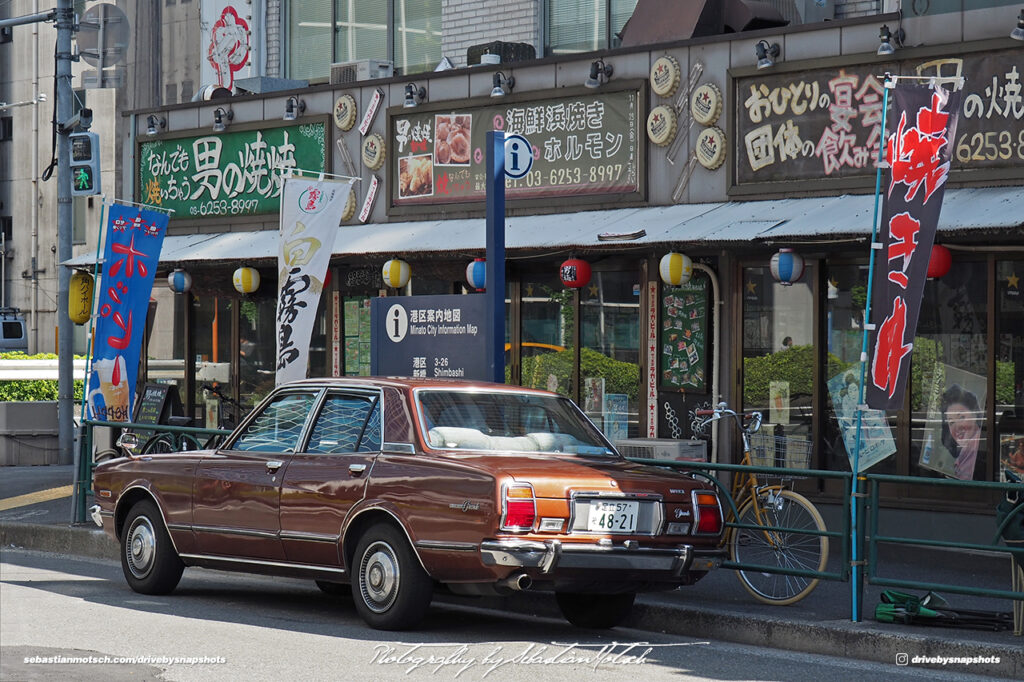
pixel 507 422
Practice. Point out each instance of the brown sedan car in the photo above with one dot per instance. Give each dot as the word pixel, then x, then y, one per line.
pixel 396 486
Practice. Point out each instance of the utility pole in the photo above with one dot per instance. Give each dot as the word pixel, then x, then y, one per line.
pixel 64 18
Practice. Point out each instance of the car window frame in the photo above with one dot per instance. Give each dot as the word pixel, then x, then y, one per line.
pixel 376 399
pixel 316 391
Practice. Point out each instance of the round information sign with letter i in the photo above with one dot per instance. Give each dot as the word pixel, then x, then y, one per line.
pixel 518 156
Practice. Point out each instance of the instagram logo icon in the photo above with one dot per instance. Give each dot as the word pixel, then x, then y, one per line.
pixel 901 659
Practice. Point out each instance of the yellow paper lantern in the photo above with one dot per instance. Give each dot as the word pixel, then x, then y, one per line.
pixel 675 268
pixel 246 280
pixel 396 273
pixel 80 297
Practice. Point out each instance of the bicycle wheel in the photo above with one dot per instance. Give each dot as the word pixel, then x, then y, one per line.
pixel 161 443
pixel 779 549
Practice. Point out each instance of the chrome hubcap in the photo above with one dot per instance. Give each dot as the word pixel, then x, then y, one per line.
pixel 379 577
pixel 141 547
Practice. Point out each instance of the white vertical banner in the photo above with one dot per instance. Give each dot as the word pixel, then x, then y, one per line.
pixel 310 213
pixel 226 34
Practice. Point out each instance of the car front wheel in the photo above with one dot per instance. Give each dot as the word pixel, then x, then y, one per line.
pixel 595 611
pixel 148 559
pixel 390 588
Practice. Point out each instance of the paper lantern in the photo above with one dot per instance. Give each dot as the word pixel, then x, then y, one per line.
pixel 80 297
pixel 940 262
pixel 246 280
pixel 575 273
pixel 675 268
pixel 396 273
pixel 179 281
pixel 787 266
pixel 476 274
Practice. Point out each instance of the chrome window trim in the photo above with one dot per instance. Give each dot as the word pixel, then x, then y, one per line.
pixel 309 537
pixel 263 562
pixel 448 546
pixel 236 531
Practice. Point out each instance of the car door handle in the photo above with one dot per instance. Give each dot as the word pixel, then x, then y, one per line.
pixel 356 469
pixel 273 465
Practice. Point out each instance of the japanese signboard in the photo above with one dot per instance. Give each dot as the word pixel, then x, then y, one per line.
pixel 684 326
pixel 133 242
pixel 587 144
pixel 918 151
pixel 429 336
pixel 826 123
pixel 227 174
pixel 309 220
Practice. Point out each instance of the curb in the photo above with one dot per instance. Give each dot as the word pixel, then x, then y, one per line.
pixel 863 641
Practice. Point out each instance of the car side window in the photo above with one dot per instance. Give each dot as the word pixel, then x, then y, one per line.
pixel 279 426
pixel 346 424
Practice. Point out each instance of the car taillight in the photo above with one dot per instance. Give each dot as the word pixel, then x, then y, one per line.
pixel 708 512
pixel 519 507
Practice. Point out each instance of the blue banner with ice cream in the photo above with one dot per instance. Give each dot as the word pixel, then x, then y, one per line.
pixel 134 237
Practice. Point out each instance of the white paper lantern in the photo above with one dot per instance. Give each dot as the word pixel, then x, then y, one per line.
pixel 675 268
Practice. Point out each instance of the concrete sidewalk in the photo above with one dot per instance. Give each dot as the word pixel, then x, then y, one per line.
pixel 718 607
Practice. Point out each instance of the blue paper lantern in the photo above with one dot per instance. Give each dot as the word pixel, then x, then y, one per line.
pixel 179 281
pixel 476 274
pixel 787 267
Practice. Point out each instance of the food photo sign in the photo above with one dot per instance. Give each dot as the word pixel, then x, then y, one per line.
pixel 583 144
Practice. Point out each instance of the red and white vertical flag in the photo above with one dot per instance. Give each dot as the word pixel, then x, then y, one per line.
pixel 310 213
pixel 918 152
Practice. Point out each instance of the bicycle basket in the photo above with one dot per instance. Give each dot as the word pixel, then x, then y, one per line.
pixel 783 452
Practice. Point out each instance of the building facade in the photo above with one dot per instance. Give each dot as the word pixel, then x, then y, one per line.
pixel 684 146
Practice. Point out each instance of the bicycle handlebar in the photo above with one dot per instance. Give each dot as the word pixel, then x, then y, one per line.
pixel 749 422
pixel 217 392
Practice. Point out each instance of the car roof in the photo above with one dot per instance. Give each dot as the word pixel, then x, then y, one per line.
pixel 407 383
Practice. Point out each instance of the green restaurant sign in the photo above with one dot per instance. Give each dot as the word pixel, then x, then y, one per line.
pixel 228 174
pixel 584 144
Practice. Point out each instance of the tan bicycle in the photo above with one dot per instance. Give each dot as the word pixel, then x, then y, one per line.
pixel 771 527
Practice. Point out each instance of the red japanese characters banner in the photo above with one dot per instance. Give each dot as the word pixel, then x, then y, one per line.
pixel 133 242
pixel 918 152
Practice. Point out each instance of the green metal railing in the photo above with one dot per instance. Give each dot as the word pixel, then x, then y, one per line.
pixel 875 539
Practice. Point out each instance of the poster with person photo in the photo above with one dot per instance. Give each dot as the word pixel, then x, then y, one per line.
pixel 955 434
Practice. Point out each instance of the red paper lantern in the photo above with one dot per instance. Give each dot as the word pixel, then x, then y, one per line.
pixel 575 273
pixel 940 262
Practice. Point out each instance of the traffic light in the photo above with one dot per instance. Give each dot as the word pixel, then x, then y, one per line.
pixel 85 164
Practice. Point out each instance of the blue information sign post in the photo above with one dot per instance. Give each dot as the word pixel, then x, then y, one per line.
pixel 495 276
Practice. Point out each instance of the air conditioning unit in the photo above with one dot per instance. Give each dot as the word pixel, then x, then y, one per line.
pixel 664 448
pixel 362 70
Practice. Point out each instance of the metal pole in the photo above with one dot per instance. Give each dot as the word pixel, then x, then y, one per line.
pixel 855 494
pixel 495 271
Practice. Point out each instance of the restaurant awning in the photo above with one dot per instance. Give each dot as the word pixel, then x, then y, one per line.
pixel 692 225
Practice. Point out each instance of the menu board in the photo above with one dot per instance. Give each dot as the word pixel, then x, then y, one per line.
pixel 683 339
pixel 156 403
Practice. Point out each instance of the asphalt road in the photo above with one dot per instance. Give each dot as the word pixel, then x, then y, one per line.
pixel 222 626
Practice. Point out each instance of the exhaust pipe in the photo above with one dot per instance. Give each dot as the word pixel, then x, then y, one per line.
pixel 518 582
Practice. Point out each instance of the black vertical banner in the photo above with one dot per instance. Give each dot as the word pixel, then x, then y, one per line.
pixel 918 152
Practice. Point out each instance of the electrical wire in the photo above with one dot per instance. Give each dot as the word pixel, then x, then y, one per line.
pixel 48 171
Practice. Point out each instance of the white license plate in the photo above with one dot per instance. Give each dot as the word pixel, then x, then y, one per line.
pixel 613 516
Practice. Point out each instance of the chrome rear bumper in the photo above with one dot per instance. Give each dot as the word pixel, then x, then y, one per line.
pixel 552 554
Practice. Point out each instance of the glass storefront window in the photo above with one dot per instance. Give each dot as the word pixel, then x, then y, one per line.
pixel 1010 365
pixel 213 352
pixel 610 353
pixel 949 376
pixel 361 30
pixel 582 25
pixel 779 359
pixel 547 338
pixel 845 300
pixel 257 349
pixel 165 351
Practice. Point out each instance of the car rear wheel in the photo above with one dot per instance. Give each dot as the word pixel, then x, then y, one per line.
pixel 390 588
pixel 148 559
pixel 595 611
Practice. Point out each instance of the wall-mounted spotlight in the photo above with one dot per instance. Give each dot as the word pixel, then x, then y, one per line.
pixel 502 85
pixel 599 74
pixel 220 118
pixel 293 108
pixel 766 54
pixel 1018 33
pixel 889 41
pixel 413 95
pixel 154 124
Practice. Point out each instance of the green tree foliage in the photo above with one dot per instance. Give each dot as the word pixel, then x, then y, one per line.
pixel 619 377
